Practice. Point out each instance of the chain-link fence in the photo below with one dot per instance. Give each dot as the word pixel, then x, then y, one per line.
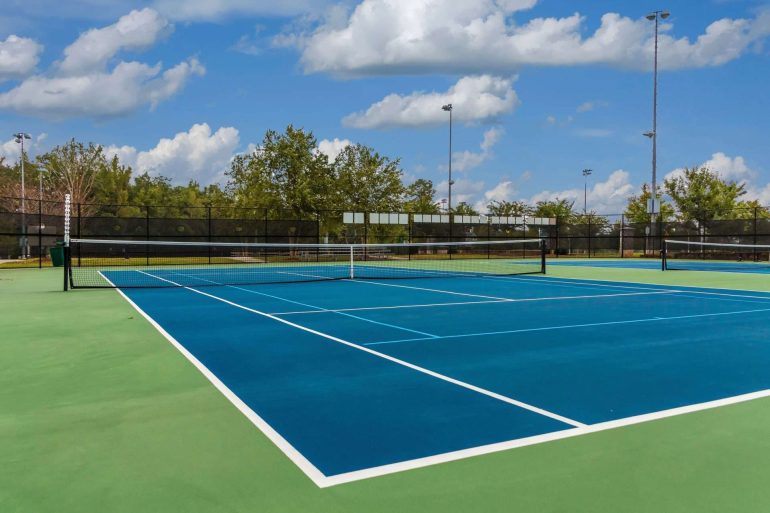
pixel 28 231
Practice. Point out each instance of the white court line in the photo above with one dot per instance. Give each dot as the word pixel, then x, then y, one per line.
pixel 538 439
pixel 318 309
pixel 384 356
pixel 581 282
pixel 293 454
pixel 702 291
pixel 513 300
pixel 501 300
pixel 568 326
pixel 323 481
pixel 727 297
pixel 394 307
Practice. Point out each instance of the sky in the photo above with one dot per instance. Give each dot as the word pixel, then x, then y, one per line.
pixel 541 89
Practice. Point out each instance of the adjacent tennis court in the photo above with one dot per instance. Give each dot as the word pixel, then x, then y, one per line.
pixel 358 378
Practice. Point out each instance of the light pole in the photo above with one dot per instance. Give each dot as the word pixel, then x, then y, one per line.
pixel 655 16
pixel 20 136
pixel 586 174
pixel 448 108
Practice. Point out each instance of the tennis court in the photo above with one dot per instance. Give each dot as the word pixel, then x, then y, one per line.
pixel 353 379
pixel 654 264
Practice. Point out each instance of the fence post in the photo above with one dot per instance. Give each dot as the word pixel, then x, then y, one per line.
pixel 622 229
pixel 756 213
pixel 264 224
pixel 589 235
pixel 147 233
pixel 80 235
pixel 40 233
pixel 208 217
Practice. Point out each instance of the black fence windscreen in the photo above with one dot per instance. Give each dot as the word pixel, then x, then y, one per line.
pixel 28 232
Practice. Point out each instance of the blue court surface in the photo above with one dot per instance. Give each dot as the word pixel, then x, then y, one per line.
pixel 673 265
pixel 356 378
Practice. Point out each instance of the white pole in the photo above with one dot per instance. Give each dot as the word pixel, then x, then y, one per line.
pixel 352 273
pixel 67 208
pixel 23 206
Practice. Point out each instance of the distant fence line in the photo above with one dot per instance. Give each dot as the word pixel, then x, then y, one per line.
pixel 34 231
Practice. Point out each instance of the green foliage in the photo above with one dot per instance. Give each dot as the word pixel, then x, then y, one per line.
pixel 508 208
pixel 561 209
pixel 419 197
pixel 364 181
pixel 700 194
pixel 286 173
pixel 636 210
pixel 465 209
pixel 73 168
pixel 749 210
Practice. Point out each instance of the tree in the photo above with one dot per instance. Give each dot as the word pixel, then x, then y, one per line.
pixel 419 197
pixel 365 181
pixel 112 186
pixel 561 209
pixel 286 173
pixel 465 209
pixel 636 210
pixel 701 195
pixel 508 208
pixel 72 169
pixel 749 209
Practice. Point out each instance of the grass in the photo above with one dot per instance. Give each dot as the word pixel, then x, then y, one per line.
pixel 99 413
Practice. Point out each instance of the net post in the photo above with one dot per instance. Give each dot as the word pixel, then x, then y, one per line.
pixel 542 256
pixel 663 252
pixel 67 263
pixel 352 273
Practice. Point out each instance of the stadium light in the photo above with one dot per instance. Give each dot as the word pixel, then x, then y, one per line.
pixel 655 16
pixel 20 137
pixel 586 174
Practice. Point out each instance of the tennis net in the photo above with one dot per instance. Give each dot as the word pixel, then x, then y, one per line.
pixel 128 263
pixel 713 256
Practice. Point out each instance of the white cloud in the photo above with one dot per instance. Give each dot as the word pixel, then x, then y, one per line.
pixel 466 160
pixel 197 154
pixel 462 190
pixel 761 194
pixel 126 154
pixel 474 98
pixel 430 36
pixel 727 167
pixel 250 44
pixel 18 56
pixel 212 10
pixel 730 168
pixel 127 87
pixel 137 30
pixel 503 191
pixel 735 169
pixel 333 148
pixel 610 196
pixel 79 86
